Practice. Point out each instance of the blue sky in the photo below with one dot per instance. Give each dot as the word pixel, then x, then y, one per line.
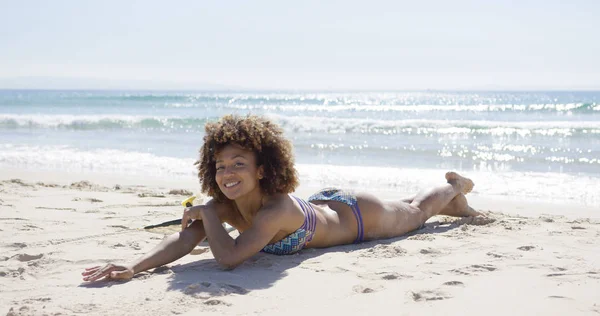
pixel 399 45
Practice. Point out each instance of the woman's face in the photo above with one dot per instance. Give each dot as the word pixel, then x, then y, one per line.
pixel 237 172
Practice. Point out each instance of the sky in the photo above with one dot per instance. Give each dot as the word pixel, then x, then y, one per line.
pixel 301 45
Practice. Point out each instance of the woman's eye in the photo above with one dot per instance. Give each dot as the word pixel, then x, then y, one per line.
pixel 220 168
pixel 238 164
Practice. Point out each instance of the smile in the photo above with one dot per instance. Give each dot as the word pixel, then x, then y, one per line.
pixel 231 184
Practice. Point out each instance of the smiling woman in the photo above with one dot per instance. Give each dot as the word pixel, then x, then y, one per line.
pixel 246 165
pixel 262 139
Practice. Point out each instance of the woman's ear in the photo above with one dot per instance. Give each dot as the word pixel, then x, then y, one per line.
pixel 261 172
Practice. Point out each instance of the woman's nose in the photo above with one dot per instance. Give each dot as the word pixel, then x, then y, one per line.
pixel 228 171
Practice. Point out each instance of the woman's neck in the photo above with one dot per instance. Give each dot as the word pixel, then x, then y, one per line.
pixel 249 205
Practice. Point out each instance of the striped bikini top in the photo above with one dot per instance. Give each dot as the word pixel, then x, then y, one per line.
pixel 295 241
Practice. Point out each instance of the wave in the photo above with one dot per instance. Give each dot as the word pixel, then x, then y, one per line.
pixel 101 122
pixel 100 160
pixel 543 185
pixel 581 108
pixel 321 102
pixel 311 124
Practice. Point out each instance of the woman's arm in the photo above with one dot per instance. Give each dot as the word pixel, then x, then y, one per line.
pixel 170 249
pixel 230 252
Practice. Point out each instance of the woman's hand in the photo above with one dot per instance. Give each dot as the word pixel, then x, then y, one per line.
pixel 190 213
pixel 109 271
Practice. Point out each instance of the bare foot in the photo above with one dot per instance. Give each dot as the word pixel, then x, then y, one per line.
pixel 459 207
pixel 465 184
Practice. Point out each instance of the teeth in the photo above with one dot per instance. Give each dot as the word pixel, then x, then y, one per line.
pixel 229 185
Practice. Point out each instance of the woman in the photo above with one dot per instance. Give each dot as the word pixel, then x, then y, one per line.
pixel 247 167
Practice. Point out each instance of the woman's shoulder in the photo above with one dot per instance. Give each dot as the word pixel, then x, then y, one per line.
pixel 225 210
pixel 279 201
pixel 282 208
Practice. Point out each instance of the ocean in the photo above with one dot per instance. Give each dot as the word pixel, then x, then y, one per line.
pixel 533 145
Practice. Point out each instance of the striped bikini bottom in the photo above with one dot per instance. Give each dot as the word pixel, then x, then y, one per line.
pixel 346 197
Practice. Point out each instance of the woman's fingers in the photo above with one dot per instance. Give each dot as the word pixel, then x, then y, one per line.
pixel 184 220
pixel 93 275
pixel 189 213
pixel 89 271
pixel 110 271
pixel 96 276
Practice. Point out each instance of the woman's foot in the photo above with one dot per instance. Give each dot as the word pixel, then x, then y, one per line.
pixel 465 184
pixel 459 207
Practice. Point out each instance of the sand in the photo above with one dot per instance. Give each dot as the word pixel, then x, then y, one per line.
pixel 524 258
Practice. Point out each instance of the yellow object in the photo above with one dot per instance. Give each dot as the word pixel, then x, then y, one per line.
pixel 188 202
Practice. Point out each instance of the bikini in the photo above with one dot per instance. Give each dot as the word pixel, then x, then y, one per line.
pixel 297 240
pixel 346 197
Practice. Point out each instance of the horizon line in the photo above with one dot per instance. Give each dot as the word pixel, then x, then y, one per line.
pixel 301 90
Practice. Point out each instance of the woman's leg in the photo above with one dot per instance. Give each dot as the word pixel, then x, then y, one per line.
pixel 432 201
pixel 397 218
pixel 458 207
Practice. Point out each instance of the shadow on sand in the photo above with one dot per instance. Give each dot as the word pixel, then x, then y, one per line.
pixel 263 270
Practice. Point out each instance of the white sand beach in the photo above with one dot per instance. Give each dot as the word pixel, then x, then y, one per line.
pixel 524 258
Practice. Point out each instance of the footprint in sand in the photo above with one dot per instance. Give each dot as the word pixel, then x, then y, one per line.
pixel 23 310
pixel 424 237
pixel 29 227
pixel 590 274
pixel 80 308
pixel 454 283
pixel 48 185
pixel 423 296
pixel 134 245
pixel 470 220
pixel 383 276
pixel 181 192
pixel 23 257
pixel 87 186
pixel 475 269
pixel 119 226
pixel 365 289
pixel 216 302
pixel 559 297
pixel 383 251
pixel 526 248
pixel 12 273
pixel 430 251
pixel 155 195
pixel 19 182
pixel 55 208
pixel 17 245
pixel 503 255
pixel 214 289
pixel 37 300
